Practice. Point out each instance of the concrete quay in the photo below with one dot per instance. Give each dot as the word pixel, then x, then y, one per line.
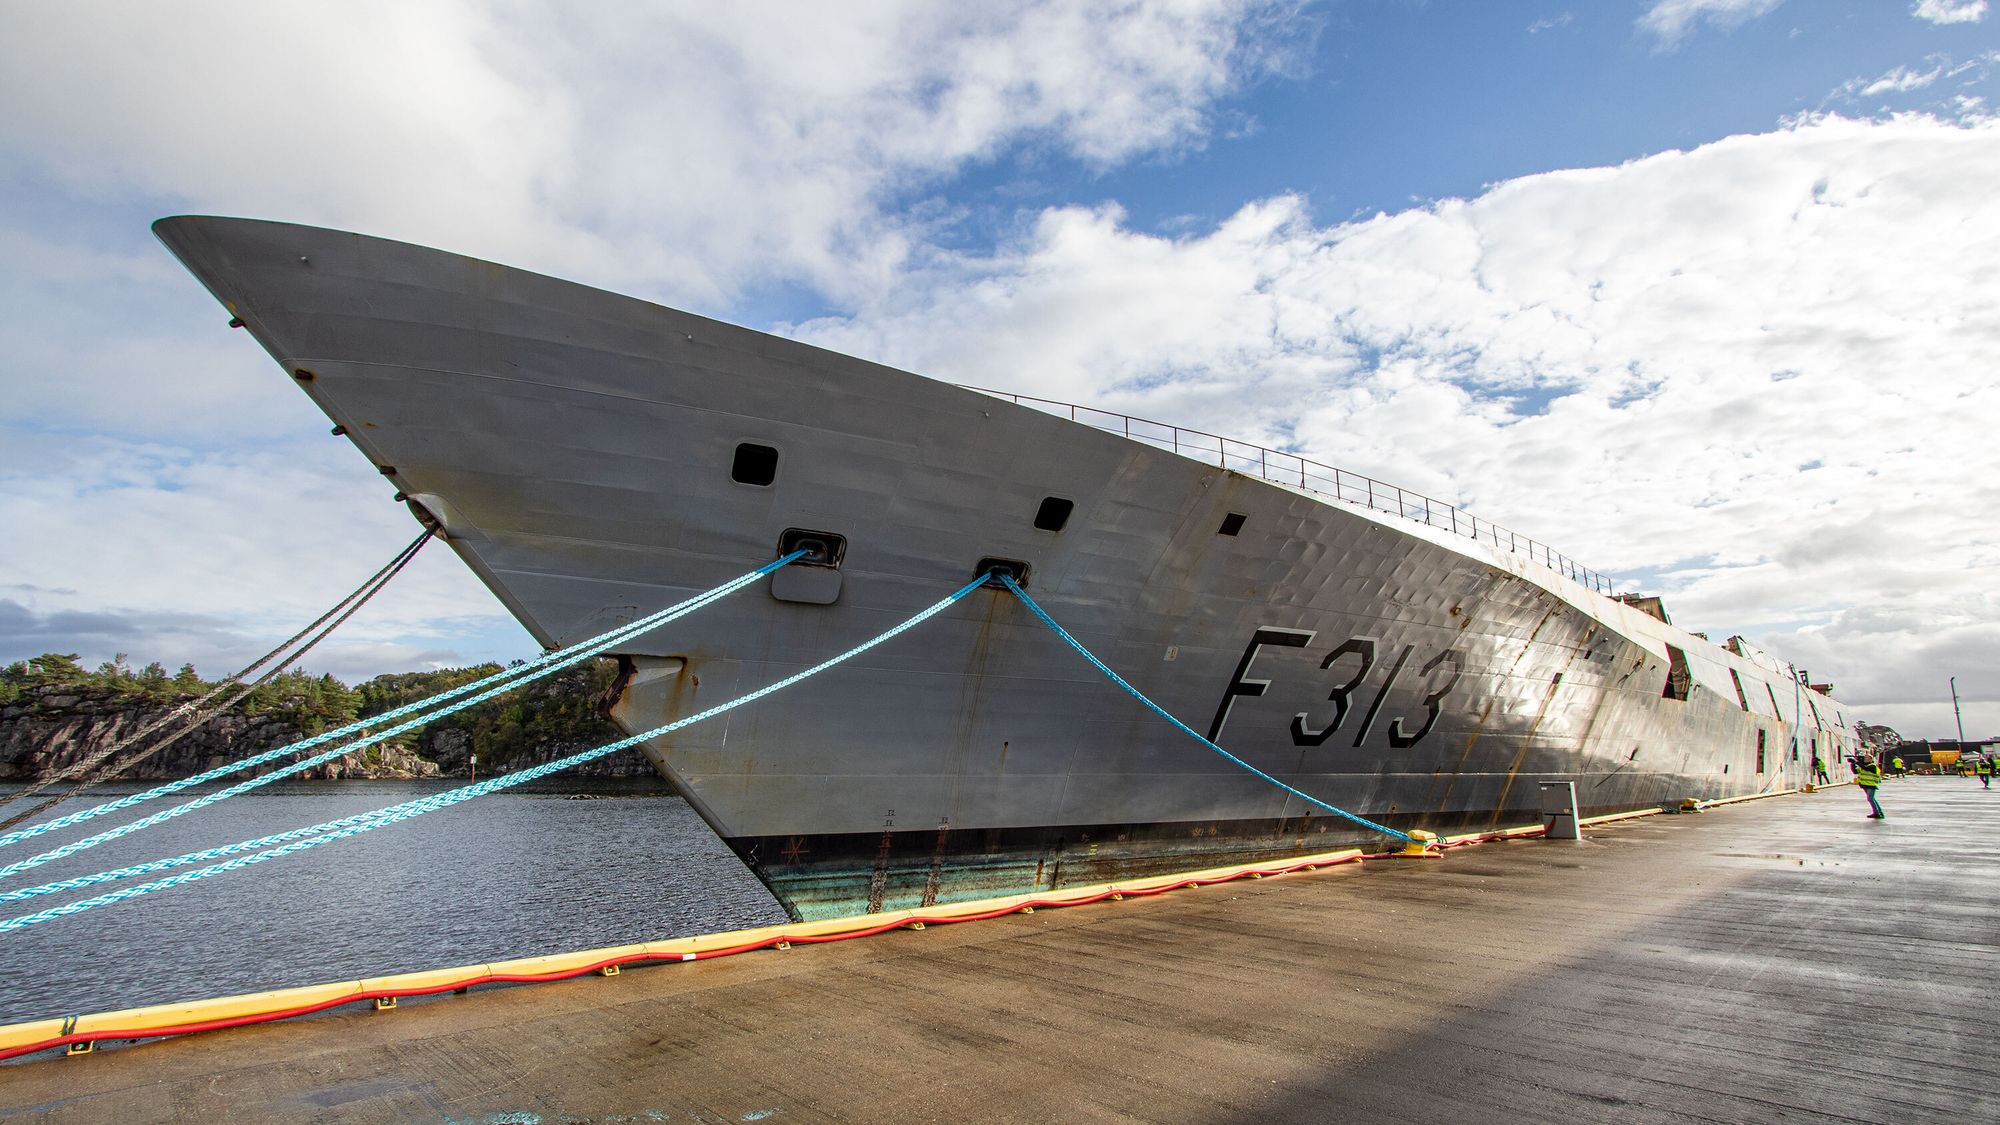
pixel 1778 960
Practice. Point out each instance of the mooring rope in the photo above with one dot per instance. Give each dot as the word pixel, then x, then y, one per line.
pixel 20 894
pixel 348 827
pixel 1189 731
pixel 503 681
pixel 196 712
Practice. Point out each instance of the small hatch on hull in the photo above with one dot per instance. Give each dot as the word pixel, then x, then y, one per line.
pixel 754 464
pixel 1053 513
pixel 1232 523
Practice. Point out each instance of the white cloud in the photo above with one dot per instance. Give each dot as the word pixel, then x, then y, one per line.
pixel 690 151
pixel 1950 11
pixel 1632 363
pixel 1902 80
pixel 713 145
pixel 1768 360
pixel 174 554
pixel 1669 21
pixel 121 341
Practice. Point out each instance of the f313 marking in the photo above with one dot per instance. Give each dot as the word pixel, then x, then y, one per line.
pixel 1357 655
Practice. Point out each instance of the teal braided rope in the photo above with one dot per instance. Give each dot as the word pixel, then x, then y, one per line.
pixel 81 881
pixel 347 827
pixel 19 894
pixel 603 639
pixel 1162 712
pixel 545 665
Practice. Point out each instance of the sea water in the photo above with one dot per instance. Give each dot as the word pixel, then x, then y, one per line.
pixel 551 867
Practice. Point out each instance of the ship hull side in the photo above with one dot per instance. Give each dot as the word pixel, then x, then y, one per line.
pixel 577 447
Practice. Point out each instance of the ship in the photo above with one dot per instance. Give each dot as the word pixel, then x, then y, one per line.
pixel 594 458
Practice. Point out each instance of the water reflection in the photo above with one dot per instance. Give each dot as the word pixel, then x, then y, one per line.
pixel 533 870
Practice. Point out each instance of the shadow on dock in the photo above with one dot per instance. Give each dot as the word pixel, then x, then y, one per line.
pixel 1778 960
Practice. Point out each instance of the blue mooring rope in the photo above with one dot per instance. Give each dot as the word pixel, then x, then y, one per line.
pixel 1162 712
pixel 333 830
pixel 505 680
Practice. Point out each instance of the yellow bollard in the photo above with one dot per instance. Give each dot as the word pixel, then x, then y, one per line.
pixel 1422 845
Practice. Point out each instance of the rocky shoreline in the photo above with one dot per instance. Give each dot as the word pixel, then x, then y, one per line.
pixel 50 727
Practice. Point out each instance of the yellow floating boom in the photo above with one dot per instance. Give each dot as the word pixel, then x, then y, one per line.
pixel 80 1033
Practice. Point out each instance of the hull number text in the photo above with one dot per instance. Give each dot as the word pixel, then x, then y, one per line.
pixel 1351 661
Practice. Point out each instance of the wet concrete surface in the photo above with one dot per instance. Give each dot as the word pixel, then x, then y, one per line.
pixel 1781 960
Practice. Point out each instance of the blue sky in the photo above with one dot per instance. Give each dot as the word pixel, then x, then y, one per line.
pixel 1693 289
pixel 1397 103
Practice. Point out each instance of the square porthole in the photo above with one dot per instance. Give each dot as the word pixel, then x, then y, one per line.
pixel 754 464
pixel 1053 513
pixel 1232 523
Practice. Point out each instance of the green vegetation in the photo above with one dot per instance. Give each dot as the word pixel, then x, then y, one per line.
pixel 311 703
pixel 116 677
pixel 562 709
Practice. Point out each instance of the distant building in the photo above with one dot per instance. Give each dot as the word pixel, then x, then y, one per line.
pixel 1945 752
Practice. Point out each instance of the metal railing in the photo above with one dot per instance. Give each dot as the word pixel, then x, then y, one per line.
pixel 1280 467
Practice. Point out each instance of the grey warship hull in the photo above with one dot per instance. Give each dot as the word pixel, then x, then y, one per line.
pixel 594 458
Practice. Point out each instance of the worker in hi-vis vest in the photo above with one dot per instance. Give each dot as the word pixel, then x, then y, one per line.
pixel 1868 776
pixel 1985 768
pixel 1896 766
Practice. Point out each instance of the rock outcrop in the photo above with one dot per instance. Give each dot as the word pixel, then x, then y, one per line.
pixel 46 727
pixel 51 728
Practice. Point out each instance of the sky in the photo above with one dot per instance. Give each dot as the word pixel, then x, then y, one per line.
pixel 1705 293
